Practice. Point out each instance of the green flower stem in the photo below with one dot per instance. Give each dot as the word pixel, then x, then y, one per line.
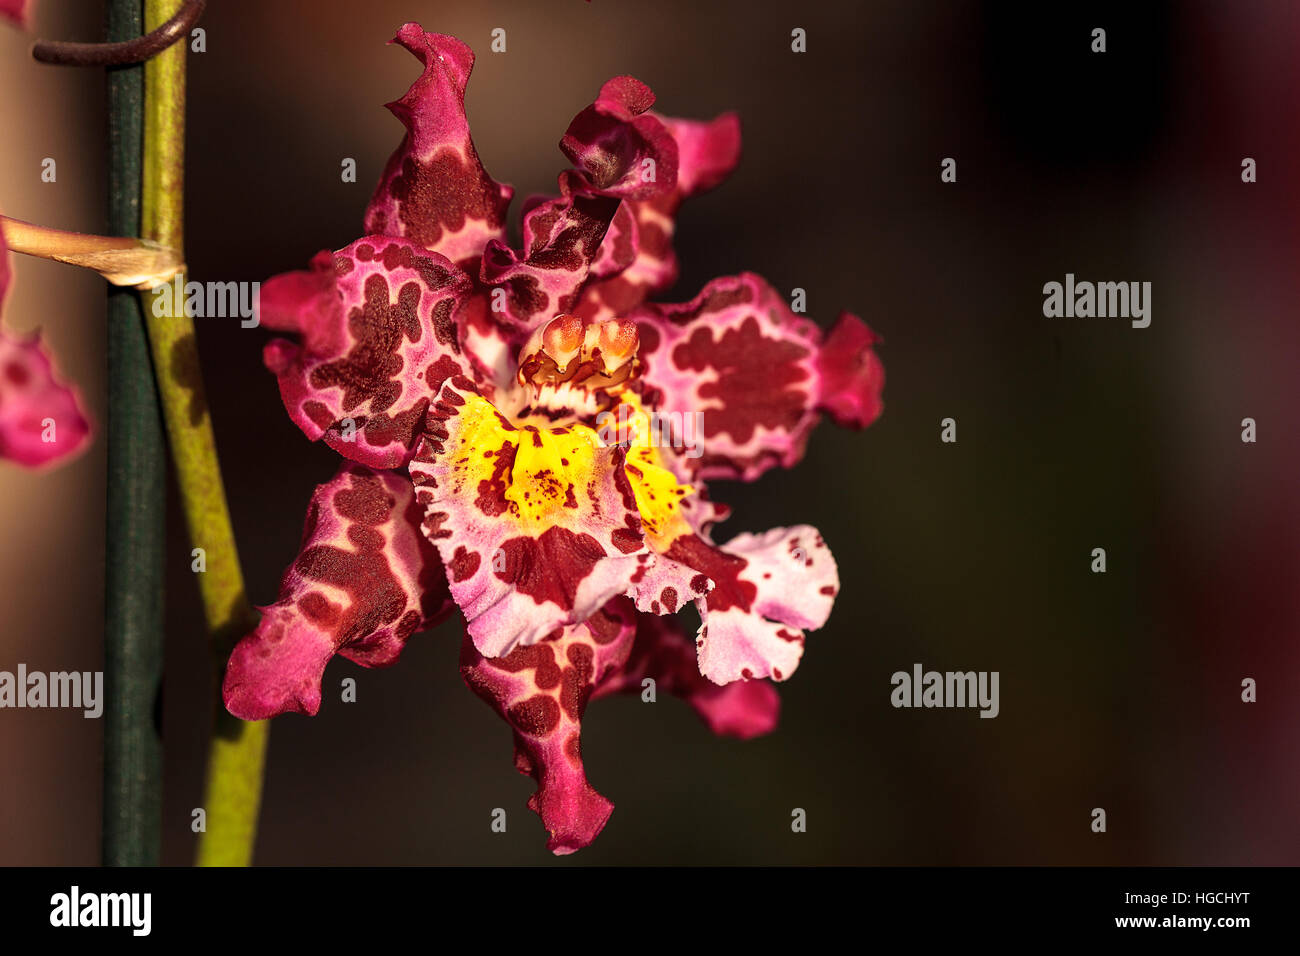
pixel 237 752
pixel 133 578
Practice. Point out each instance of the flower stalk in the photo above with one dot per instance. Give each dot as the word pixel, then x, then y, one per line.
pixel 133 573
pixel 237 750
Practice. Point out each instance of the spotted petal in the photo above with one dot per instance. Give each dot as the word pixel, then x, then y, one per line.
pixel 707 153
pixel 364 581
pixel 770 588
pixel 561 238
pixel 664 654
pixel 764 591
pixel 376 338
pixel 542 691
pixel 434 190
pixel 757 374
pixel 620 152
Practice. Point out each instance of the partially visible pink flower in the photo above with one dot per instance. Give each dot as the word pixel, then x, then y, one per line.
pixel 518 390
pixel 41 418
pixel 15 11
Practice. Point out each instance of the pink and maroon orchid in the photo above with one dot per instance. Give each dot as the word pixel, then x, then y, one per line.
pixel 499 408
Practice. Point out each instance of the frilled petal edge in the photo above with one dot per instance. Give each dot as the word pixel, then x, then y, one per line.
pixel 364 581
pixel 542 691
pixel 434 190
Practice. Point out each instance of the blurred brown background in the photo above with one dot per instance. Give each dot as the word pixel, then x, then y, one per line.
pixel 1119 690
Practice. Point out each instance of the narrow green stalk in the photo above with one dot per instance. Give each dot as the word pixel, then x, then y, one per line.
pixel 237 752
pixel 133 580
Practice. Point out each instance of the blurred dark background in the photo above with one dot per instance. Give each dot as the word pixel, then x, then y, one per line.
pixel 1119 690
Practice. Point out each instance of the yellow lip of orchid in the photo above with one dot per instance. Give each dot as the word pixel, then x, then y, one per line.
pixel 657 490
pixel 544 472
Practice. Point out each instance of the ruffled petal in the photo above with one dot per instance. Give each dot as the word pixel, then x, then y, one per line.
pixel 757 374
pixel 620 152
pixel 41 418
pixel 377 336
pixel 768 589
pixel 364 581
pixel 538 528
pixel 850 375
pixel 542 691
pixel 755 594
pixel 561 238
pixel 663 653
pixel 434 190
pixel 707 153
pixel 618 147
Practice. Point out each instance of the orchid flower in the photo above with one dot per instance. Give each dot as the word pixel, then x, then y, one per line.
pixel 41 418
pixel 502 414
